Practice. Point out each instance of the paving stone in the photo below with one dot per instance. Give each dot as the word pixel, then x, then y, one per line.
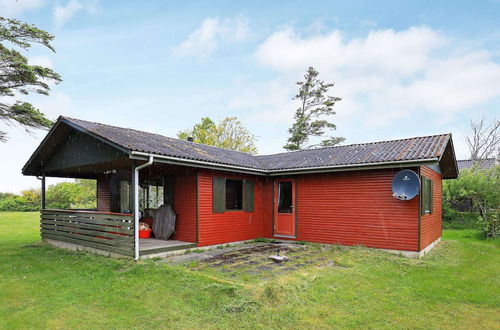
pixel 238 266
pixel 264 268
pixel 252 262
pixel 328 264
pixel 289 269
pixel 252 272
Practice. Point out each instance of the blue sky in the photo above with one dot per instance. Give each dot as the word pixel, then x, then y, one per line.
pixel 402 68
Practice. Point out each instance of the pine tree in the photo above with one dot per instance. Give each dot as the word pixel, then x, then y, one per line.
pixel 310 117
pixel 18 77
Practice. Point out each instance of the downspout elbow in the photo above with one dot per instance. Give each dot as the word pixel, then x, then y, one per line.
pixel 148 163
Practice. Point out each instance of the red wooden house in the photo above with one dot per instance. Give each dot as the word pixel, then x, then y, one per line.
pixel 335 195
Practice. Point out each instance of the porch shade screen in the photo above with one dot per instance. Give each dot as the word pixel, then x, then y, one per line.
pixel 219 195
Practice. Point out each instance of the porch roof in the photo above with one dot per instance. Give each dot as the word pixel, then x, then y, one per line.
pixel 435 148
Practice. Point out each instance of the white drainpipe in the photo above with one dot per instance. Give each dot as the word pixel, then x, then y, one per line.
pixel 136 204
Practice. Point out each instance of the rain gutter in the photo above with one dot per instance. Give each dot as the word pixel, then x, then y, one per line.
pixel 196 163
pixel 290 171
pixel 366 166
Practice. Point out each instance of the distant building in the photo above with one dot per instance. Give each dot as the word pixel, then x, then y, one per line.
pixel 484 164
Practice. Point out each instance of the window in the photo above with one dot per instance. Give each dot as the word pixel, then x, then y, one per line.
pixel 234 194
pixel 151 194
pixel 285 197
pixel 426 196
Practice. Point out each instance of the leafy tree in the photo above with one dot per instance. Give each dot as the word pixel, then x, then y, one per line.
pixel 315 104
pixel 17 76
pixel 205 132
pixel 228 134
pixel 480 187
pixel 72 195
pixel 80 194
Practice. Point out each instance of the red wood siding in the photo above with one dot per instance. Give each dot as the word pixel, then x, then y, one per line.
pixel 267 207
pixel 230 226
pixel 356 208
pixel 103 194
pixel 430 224
pixel 185 207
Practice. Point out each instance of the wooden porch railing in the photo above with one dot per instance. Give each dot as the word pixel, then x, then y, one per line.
pixel 112 232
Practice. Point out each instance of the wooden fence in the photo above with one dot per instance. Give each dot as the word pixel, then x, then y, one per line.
pixel 112 232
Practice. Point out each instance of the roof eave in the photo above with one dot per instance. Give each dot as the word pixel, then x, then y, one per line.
pixel 139 155
pixel 354 167
pixel 454 175
pixel 307 170
pixel 40 146
pixel 97 136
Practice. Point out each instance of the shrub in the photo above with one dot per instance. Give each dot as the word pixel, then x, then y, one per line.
pixel 480 187
pixel 453 219
pixel 80 194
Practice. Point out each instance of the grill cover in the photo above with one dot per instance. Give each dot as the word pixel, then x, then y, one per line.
pixel 164 222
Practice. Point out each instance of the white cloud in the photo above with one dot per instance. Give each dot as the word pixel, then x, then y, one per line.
pixel 212 31
pixel 57 104
pixel 63 13
pixel 386 51
pixel 16 7
pixel 388 75
pixel 41 60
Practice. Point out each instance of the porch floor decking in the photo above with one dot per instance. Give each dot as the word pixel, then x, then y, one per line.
pixel 153 245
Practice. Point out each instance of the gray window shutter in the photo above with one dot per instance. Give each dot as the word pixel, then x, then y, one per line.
pixel 431 196
pixel 249 196
pixel 426 196
pixel 423 195
pixel 219 194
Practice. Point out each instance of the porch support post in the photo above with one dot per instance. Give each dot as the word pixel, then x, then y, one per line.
pixel 43 191
pixel 136 205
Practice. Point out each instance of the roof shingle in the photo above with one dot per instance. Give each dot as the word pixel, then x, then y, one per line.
pixel 418 148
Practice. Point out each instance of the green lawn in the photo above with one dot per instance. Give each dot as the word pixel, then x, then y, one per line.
pixel 456 286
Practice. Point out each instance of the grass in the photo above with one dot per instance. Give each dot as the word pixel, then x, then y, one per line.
pixel 455 286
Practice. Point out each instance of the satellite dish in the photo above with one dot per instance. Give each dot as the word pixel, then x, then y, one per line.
pixel 405 185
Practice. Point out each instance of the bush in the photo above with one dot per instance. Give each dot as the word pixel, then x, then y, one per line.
pixel 481 188
pixel 80 194
pixel 453 219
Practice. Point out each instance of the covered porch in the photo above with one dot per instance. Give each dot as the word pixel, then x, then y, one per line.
pixel 129 191
pixel 102 232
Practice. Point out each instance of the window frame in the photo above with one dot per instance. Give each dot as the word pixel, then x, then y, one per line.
pixel 219 194
pixel 426 196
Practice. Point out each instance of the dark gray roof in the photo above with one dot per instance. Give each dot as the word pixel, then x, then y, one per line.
pixel 427 148
pixel 418 148
pixel 134 140
pixel 484 164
